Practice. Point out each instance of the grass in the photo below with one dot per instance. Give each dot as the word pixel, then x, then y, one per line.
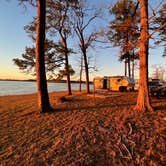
pixel 82 131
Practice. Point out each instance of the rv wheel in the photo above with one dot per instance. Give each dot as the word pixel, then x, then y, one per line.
pixel 122 89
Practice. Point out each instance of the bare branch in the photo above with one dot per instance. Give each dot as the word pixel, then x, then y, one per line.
pixel 157 29
pixel 32 2
pixel 89 21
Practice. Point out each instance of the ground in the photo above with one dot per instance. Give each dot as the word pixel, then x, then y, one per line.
pixel 82 130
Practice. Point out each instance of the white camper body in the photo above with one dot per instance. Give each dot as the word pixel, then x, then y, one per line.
pixel 114 83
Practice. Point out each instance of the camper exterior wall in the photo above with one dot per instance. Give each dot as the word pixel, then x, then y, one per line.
pixel 114 83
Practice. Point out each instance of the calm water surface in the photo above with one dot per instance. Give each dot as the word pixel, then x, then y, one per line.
pixel 23 87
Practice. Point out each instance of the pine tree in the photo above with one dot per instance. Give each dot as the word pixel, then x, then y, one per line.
pixel 159 21
pixel 43 98
pixel 123 30
pixel 143 101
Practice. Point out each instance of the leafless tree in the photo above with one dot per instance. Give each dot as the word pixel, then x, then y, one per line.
pixel 83 17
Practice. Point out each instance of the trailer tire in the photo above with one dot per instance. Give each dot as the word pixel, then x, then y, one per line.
pixel 158 95
pixel 122 88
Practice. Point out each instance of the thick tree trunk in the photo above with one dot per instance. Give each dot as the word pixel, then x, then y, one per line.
pixel 43 98
pixel 143 101
pixel 86 71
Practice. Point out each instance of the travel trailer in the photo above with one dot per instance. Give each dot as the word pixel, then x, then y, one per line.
pixel 114 83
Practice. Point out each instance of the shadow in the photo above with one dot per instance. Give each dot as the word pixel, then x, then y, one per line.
pixel 161 100
pixel 88 108
pixel 160 107
pixel 28 114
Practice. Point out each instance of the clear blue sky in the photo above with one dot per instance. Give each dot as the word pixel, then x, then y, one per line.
pixel 13 40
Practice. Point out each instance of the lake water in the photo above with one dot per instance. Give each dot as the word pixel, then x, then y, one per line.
pixel 27 87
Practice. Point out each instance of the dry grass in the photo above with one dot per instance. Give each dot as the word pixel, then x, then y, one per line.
pixel 81 131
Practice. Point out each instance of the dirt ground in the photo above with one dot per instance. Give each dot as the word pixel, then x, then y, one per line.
pixel 82 130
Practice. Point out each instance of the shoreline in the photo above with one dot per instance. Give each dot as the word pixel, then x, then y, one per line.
pixel 50 93
pixel 48 81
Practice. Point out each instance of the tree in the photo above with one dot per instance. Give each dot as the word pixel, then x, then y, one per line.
pixel 42 92
pixel 53 60
pixel 59 22
pixel 43 98
pixel 123 30
pixel 143 102
pixel 158 22
pixel 82 20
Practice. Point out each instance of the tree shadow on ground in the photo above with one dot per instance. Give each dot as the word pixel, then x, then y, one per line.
pixel 89 108
pixel 160 107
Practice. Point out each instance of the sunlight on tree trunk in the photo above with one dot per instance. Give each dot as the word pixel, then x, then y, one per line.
pixel 43 98
pixel 143 101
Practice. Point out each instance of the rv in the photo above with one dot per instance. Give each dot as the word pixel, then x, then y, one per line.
pixel 114 83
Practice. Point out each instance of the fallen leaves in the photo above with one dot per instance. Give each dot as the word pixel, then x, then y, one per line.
pixel 83 131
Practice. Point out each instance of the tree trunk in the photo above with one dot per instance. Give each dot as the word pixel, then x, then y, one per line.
pixel 129 69
pixel 133 69
pixel 86 71
pixel 125 69
pixel 143 101
pixel 83 49
pixel 43 98
pixel 64 43
pixel 68 74
pixel 81 69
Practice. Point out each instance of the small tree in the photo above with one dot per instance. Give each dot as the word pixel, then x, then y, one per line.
pixel 58 21
pixel 53 60
pixel 82 19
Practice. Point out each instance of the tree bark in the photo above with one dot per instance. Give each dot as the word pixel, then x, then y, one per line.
pixel 68 74
pixel 83 49
pixel 125 68
pixel 129 69
pixel 64 43
pixel 81 70
pixel 143 101
pixel 86 71
pixel 133 66
pixel 42 92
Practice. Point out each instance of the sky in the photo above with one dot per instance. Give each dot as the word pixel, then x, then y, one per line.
pixel 13 41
